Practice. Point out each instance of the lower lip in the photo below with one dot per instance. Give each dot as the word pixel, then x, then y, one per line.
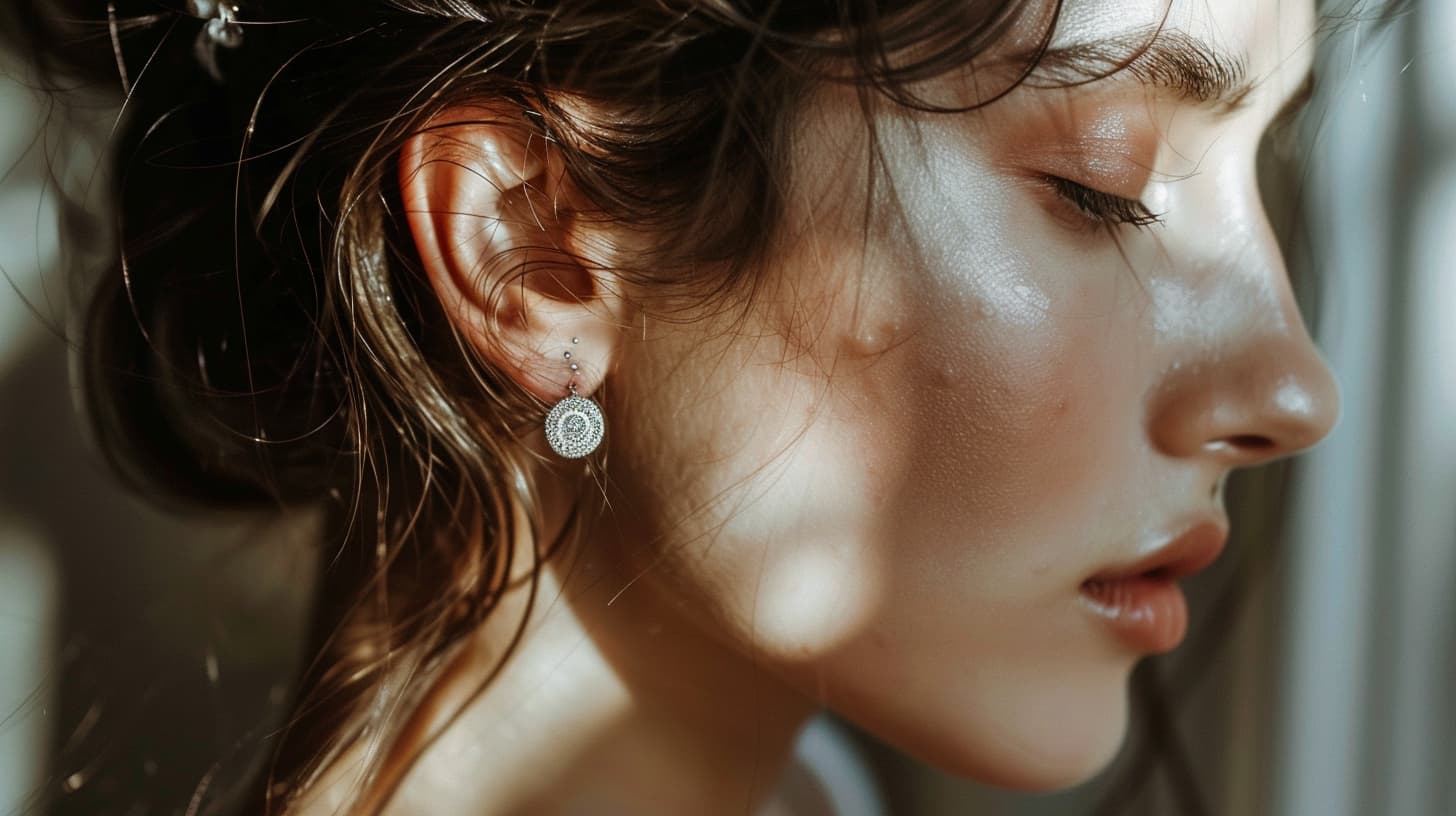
pixel 1149 614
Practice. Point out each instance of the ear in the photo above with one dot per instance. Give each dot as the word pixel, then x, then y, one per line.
pixel 492 214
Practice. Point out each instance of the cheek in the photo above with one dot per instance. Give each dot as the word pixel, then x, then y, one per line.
pixel 993 441
pixel 889 495
pixel 991 389
pixel 1016 386
pixel 1014 418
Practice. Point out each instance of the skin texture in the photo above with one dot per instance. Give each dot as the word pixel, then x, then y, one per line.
pixel 882 490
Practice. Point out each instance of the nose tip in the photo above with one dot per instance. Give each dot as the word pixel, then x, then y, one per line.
pixel 1274 399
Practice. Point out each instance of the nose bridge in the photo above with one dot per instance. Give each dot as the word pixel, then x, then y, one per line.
pixel 1243 381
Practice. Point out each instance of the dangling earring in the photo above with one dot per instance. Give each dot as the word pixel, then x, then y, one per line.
pixel 575 425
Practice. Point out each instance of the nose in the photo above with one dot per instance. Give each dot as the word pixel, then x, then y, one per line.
pixel 1258 396
pixel 1242 382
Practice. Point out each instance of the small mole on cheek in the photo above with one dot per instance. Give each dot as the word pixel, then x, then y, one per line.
pixel 875 338
pixel 946 376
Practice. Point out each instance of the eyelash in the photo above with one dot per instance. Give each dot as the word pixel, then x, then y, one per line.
pixel 1103 209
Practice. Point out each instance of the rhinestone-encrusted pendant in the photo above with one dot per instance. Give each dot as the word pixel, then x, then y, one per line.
pixel 575 427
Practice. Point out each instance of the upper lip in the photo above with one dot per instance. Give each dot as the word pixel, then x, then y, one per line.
pixel 1190 551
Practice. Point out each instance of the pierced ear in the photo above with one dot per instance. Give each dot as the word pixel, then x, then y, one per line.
pixel 492 214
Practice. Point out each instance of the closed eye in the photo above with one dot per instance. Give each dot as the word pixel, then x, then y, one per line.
pixel 1102 209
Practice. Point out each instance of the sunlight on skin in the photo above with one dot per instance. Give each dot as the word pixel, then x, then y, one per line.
pixel 810 594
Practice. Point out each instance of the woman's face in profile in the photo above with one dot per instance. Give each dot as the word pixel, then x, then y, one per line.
pixel 892 484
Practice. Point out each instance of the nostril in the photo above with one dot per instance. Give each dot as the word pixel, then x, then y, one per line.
pixel 1242 446
pixel 1252 442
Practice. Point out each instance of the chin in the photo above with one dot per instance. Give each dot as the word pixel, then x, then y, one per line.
pixel 1039 765
pixel 1038 744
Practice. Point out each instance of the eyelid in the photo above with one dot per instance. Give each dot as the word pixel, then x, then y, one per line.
pixel 1092 162
pixel 1110 145
pixel 1098 208
pixel 1104 167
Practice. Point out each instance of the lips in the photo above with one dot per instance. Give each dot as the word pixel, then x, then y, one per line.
pixel 1141 600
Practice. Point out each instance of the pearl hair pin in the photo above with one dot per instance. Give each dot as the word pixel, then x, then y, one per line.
pixel 220 30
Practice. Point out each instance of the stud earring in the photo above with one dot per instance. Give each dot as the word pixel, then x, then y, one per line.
pixel 574 426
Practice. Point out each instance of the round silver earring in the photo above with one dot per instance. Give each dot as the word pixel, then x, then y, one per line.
pixel 574 426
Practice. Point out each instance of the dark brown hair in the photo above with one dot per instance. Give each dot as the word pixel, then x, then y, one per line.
pixel 267 337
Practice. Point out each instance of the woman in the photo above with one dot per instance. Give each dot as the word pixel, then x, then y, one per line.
pixel 919 338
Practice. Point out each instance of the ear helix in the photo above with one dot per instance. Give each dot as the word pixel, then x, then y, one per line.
pixel 575 425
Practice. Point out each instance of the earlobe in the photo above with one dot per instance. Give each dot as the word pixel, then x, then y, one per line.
pixel 491 212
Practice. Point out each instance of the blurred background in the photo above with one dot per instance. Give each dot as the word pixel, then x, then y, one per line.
pixel 1321 686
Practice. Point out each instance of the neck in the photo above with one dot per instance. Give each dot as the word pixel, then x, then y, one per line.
pixel 613 700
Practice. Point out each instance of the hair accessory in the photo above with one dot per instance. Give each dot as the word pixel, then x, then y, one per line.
pixel 221 30
pixel 575 425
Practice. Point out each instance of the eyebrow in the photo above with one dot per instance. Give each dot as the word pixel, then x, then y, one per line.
pixel 1173 61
